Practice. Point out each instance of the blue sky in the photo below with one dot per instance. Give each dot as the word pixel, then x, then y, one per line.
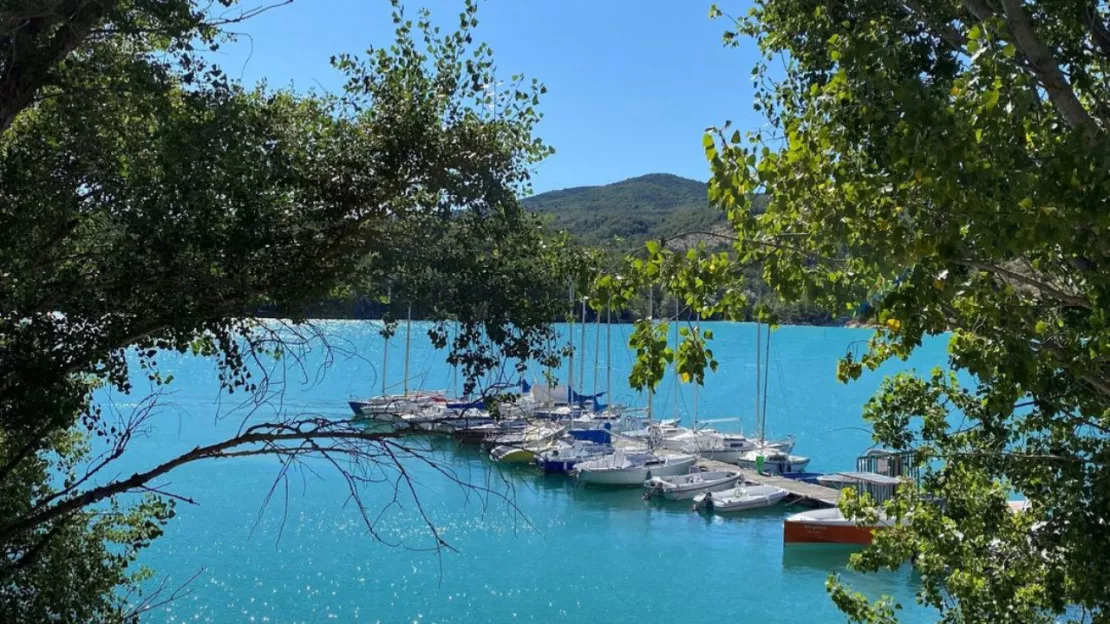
pixel 631 85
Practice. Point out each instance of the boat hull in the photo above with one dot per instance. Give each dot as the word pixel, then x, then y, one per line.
pixel 512 455
pixel 816 533
pixel 743 499
pixel 557 465
pixel 687 491
pixel 635 475
pixel 828 526
pixel 728 456
pixel 777 467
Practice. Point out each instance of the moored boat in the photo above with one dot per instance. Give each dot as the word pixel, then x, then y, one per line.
pixel 828 526
pixel 563 457
pixel 510 454
pixel 689 485
pixel 740 498
pixel 771 461
pixel 625 468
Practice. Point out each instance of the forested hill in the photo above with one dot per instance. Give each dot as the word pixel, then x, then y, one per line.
pixel 637 209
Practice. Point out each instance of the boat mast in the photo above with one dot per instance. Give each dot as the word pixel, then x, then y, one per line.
pixel 651 323
pixel 408 339
pixel 608 349
pixel 455 366
pixel 582 342
pixel 674 383
pixel 570 344
pixel 758 379
pixel 385 349
pixel 694 388
pixel 597 352
pixel 766 377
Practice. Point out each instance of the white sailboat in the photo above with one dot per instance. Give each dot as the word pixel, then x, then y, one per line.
pixel 393 408
pixel 631 467
pixel 770 458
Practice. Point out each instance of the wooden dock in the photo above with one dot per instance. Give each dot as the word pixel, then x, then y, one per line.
pixel 802 493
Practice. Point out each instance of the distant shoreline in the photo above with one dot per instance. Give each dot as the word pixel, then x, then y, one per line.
pixel 847 324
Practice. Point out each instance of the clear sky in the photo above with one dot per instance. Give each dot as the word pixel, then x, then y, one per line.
pixel 631 85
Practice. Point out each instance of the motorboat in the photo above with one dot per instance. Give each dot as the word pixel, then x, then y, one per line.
pixel 689 485
pixel 770 461
pixel 740 498
pixel 829 526
pixel 631 468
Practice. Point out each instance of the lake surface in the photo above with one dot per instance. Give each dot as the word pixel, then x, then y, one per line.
pixel 538 549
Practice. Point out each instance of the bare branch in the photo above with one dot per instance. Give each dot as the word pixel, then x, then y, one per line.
pixel 267 434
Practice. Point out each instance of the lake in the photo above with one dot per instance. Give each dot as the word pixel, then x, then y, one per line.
pixel 537 548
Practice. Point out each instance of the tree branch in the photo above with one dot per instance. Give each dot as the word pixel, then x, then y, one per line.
pixel 1045 288
pixel 268 434
pixel 31 60
pixel 1047 70
pixel 1100 34
pixel 942 30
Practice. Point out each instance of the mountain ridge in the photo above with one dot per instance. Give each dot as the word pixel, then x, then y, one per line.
pixel 650 206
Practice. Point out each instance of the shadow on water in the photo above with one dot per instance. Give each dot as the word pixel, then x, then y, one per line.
pixel 824 557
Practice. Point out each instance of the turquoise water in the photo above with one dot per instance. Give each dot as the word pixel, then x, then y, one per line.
pixel 536 548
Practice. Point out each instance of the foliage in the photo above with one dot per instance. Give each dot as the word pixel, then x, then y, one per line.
pixel 940 166
pixel 149 203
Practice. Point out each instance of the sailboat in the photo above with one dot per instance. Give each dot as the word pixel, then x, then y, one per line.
pixel 581 445
pixel 706 442
pixel 631 467
pixel 634 467
pixel 522 447
pixel 767 458
pixel 392 408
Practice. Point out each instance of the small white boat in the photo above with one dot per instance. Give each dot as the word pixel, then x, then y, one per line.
pixel 773 461
pixel 624 468
pixel 687 486
pixel 741 498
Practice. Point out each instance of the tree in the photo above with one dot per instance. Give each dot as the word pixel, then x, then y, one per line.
pixel 938 166
pixel 148 203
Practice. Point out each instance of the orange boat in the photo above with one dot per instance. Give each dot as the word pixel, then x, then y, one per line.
pixel 827 526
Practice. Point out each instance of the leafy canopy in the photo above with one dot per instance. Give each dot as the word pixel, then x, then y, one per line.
pixel 937 166
pixel 149 203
